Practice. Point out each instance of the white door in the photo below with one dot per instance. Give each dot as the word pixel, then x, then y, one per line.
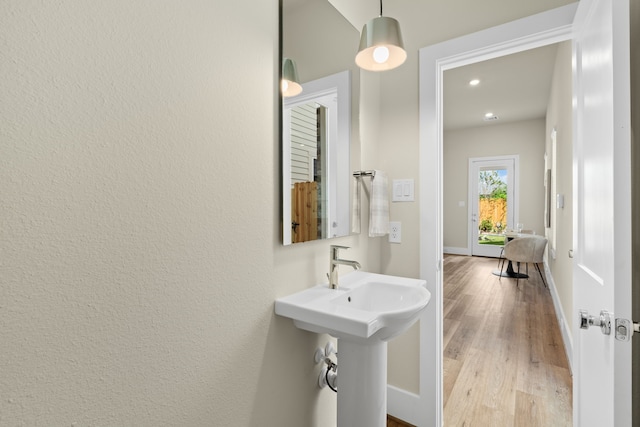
pixel 492 202
pixel 602 211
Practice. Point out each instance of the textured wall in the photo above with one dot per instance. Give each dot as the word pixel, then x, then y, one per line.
pixel 139 210
pixel 139 233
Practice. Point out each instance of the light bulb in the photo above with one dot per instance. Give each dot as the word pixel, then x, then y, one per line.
pixel 381 54
pixel 285 85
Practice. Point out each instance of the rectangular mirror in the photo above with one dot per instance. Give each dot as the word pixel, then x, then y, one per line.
pixel 318 124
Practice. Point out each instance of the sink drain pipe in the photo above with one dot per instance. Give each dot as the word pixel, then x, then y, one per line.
pixel 329 373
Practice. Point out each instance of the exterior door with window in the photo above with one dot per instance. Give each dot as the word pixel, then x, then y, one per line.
pixel 492 203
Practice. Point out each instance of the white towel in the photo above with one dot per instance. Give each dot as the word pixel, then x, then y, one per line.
pixel 379 206
pixel 355 206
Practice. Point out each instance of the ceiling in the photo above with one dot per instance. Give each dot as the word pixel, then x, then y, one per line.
pixel 515 87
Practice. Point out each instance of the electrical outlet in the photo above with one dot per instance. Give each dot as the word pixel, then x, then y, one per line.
pixel 395 232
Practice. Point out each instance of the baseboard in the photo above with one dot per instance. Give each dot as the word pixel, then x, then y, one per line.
pixel 562 319
pixel 455 251
pixel 403 404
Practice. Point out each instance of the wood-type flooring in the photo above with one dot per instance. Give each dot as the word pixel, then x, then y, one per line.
pixel 504 359
pixel 394 422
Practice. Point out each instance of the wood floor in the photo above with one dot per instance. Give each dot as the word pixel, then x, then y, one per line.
pixel 504 360
pixel 394 422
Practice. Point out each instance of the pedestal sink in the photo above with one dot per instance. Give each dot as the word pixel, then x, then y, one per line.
pixel 365 312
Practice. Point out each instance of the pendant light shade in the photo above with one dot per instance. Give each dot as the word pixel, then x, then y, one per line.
pixel 290 84
pixel 381 46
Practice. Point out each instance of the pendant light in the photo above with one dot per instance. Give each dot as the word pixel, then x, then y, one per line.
pixel 381 46
pixel 290 83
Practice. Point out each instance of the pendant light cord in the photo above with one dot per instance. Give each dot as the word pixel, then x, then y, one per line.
pixel 380 7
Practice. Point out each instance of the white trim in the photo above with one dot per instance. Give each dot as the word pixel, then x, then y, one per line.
pixel 402 404
pixel 456 251
pixel 538 30
pixel 564 324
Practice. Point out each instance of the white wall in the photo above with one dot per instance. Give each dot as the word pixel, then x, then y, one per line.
pixel 140 214
pixel 560 118
pixel 525 139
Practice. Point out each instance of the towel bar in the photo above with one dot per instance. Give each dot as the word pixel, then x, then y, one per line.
pixel 359 174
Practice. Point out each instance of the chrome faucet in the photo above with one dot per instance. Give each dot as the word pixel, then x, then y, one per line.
pixel 335 261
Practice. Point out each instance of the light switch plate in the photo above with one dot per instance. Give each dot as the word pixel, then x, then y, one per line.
pixel 402 190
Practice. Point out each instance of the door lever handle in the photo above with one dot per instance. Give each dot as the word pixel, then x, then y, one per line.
pixel 604 321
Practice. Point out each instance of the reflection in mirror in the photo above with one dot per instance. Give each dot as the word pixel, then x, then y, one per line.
pixel 322 42
pixel 315 142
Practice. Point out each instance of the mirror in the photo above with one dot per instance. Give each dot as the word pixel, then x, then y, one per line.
pixel 318 126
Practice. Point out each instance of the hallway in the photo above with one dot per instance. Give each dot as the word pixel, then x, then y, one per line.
pixel 504 359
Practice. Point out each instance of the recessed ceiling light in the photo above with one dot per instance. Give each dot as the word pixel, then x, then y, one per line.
pixel 474 82
pixel 488 115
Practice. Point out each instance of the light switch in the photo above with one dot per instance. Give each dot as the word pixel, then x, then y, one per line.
pixel 403 190
pixel 397 190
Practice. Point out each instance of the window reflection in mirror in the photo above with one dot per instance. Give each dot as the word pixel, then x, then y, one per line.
pixel 316 145
pixel 308 177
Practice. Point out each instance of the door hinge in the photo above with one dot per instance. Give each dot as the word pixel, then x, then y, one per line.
pixel 625 329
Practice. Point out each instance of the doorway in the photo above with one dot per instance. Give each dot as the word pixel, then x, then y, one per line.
pixel 492 184
pixel 539 30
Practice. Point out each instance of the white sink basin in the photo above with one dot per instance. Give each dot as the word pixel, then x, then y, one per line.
pixel 366 307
